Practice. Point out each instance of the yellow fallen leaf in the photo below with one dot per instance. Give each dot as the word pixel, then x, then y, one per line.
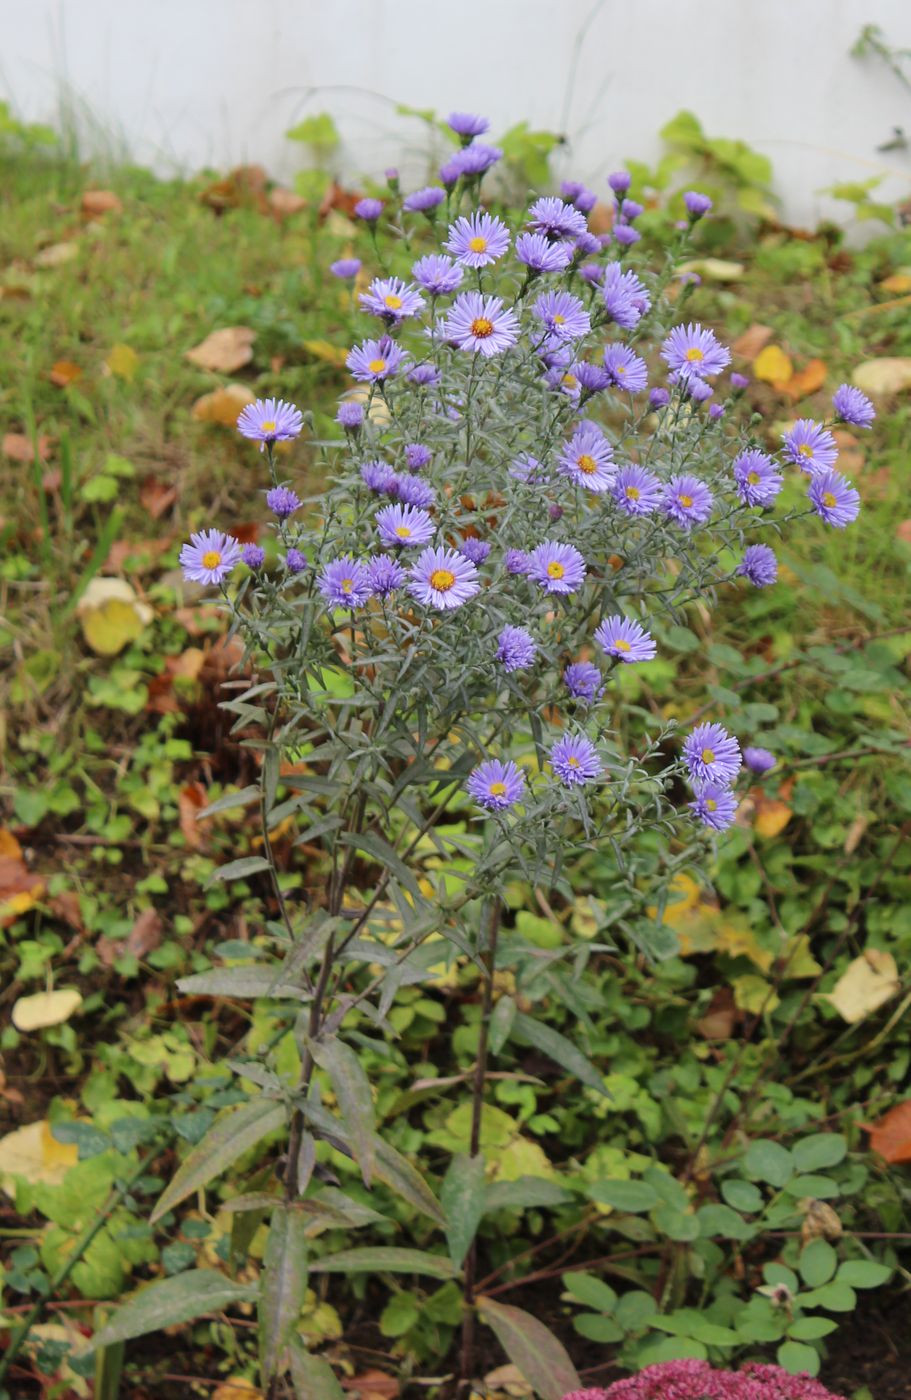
pixel 32 1152
pixel 223 405
pixel 224 351
pixel 772 365
pixel 56 255
pixel 111 615
pixel 866 984
pixel 772 816
pixel 42 1009
pixel 898 282
pixel 122 361
pixel 325 350
pixel 889 375
pixel 237 1388
pixel 714 269
pixel 754 994
pixel 797 959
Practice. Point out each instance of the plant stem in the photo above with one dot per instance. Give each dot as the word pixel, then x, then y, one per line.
pixel 489 959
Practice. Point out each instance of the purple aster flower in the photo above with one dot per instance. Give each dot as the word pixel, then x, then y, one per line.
pixel 689 279
pixel 563 315
pixel 477 241
pixel 738 381
pixel 587 244
pixel 625 298
pixel 853 407
pixel 564 380
pixel 424 374
pixel 620 181
pixel 556 219
pixel 711 754
pixel 437 274
pixel 636 490
pixel 282 501
pixel 834 499
pixel 378 477
pixel 626 235
pixel 715 806
pixel 626 370
pixel 716 411
pixel 592 378
pixel 496 785
pixel 443 578
pixel 693 388
pixel 422 201
pixel 536 252
pixel 575 760
pixel 392 299
pixel 759 761
pixel 516 561
pixel 587 459
pixel 558 568
pixel 758 565
pixel 630 209
pixel 269 420
pixel 350 416
pixel 369 209
pixel 209 557
pixel 345 267
pixel 417 456
pixel 515 648
pixel 694 350
pixel 757 477
pixel 696 204
pixel 404 526
pixel 474 160
pixel 576 193
pixel 386 575
pixel 467 124
pixel 527 468
pixel 687 500
pixel 659 398
pixel 295 561
pixel 591 273
pixel 583 681
pixel 450 171
pixel 625 639
pixel 481 324
pixel 345 583
pixel 375 360
pixel 474 549
pixel 253 555
pixel 412 490
pixel 810 446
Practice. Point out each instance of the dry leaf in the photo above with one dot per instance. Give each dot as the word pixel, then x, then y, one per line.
pixel 718 1022
pixel 65 906
pixel 889 375
pixel 771 814
pixel 19 448
pixel 714 269
pixel 820 1222
pixel 897 283
pixel 237 1388
pixel 42 1009
pixel 111 615
pixel 284 203
pixel 146 934
pixel 754 339
pixel 98 202
pixel 121 550
pixel 122 361
pixel 64 372
pixel 806 381
pixel 773 366
pixel 190 803
pixel 903 531
pixel 507 1381
pixel 157 496
pixel 224 351
pixel 325 350
pixel 19 887
pixel 866 984
pixel 33 1153
pixel 372 1384
pixel 244 186
pixel 223 405
pixel 891 1136
pixel 56 255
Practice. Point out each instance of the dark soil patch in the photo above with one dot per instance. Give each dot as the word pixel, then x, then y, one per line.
pixel 873 1349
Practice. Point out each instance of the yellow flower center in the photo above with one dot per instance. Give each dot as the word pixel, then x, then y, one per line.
pixel 620 369
pixel 805 450
pixel 211 559
pixel 497 789
pixel 694 353
pixel 559 320
pixel 478 244
pixel 708 755
pixel 570 381
pixel 481 327
pixel 393 302
pixel 632 493
pixel 442 580
pixel 573 762
pixel 829 500
pixel 268 426
pixel 621 644
pixel 711 803
pixel 403 532
pixel 377 366
pixel 753 478
pixel 587 464
pixel 555 569
pixel 347 584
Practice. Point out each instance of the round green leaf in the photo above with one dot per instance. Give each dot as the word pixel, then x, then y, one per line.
pixel 742 1195
pixel 819 1151
pixel 797 1358
pixel 836 1296
pixel 598 1328
pixel 591 1291
pixel 780 1273
pixel 676 1224
pixel 721 1221
pixel 817 1264
pixel 768 1161
pixel 864 1273
pixel 819 1188
pixel 810 1329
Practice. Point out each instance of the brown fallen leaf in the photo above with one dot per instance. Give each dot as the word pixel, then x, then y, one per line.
pixel 285 203
pixel 771 815
pixel 65 906
pixel 56 255
pixel 19 448
pixel 338 200
pixel 144 937
pixel 19 886
pixel 190 803
pixel 223 405
pixel 718 1022
pixel 806 381
pixel 820 1222
pixel 371 1384
pixel 244 187
pixel 98 202
pixel 754 339
pixel 891 1135
pixel 224 351
pixel 64 372
pixel 903 531
pixel 157 496
pixel 122 550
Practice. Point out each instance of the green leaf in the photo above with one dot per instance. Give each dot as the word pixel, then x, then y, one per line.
pixel 817 1264
pixel 532 1347
pixel 820 1188
pixel 559 1049
pixel 312 1377
pixel 591 1291
pixel 598 1328
pixel 525 1193
pixel 810 1329
pixel 171 1301
pixel 864 1273
pixel 462 1199
pixel 635 1197
pixel 241 982
pixel 768 1161
pixel 676 1224
pixel 284 1284
pixel 819 1151
pixel 355 1101
pixel 836 1296
pixel 319 130
pixel 501 1022
pixel 399 1315
pixel 723 1222
pixel 242 798
pixel 240 869
pixel 228 1138
pixel 797 1358
pixel 385 1259
pixel 401 1176
pixel 742 1195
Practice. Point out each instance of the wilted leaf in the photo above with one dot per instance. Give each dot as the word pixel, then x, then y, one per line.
pixel 754 994
pixel 773 366
pixel 806 381
pixel 223 405
pixel 236 1388
pixel 33 1153
pixel 19 886
pixel 42 1009
pixel 157 496
pixel 714 269
pixel 19 448
pixel 98 202
pixel 372 1385
pixel 224 351
pixel 122 361
pixel 754 339
pixel 111 615
pixel 64 372
pixel 891 1135
pixel 771 814
pixel 718 1022
pixel 190 803
pixel 531 1346
pixel 866 984
pixel 284 203
pixel 889 375
pixel 820 1222
pixel 56 255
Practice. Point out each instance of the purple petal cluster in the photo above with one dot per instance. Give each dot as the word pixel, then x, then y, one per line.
pixel 443 578
pixel 516 648
pixel 556 219
pixel 392 299
pixel 583 681
pixel 687 500
pixel 496 785
pixel 853 407
pixel 375 360
pixel 270 420
pixel 834 499
pixel 626 300
pixel 575 760
pixel 422 201
pixel 345 583
pixel 437 274
pixel 625 639
pixel 694 350
pixel 282 501
pixel 758 565
pixel 557 567
pixel 563 315
pixel 697 1380
pixel 481 324
pixel 404 526
pixel 759 761
pixel 715 806
pixel 386 575
pixel 810 446
pixel 758 478
pixel 534 250
pixel 625 369
pixel 587 459
pixel 209 557
pixel 636 490
pixel 711 754
pixel 477 241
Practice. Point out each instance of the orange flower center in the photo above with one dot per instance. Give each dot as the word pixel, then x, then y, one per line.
pixel 211 559
pixel 442 580
pixel 555 569
pixel 694 353
pixel 481 327
pixel 478 244
pixel 377 366
pixel 497 789
pixel 586 463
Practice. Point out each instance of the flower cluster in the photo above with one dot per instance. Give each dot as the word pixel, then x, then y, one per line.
pixel 697 1380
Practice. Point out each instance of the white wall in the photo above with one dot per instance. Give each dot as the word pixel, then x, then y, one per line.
pixel 187 83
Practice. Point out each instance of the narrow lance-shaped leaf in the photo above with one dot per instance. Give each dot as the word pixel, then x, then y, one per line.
pixel 284 1284
pixel 226 1140
pixel 532 1347
pixel 385 1259
pixel 171 1301
pixel 559 1049
pixel 312 1377
pixel 462 1199
pixel 355 1101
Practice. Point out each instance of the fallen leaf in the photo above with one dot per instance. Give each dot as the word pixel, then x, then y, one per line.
pixel 372 1383
pixel 285 203
pixel 66 907
pixel 19 448
pixel 56 255
pixel 898 283
pixel 325 350
pixel 98 202
pixel 889 375
pixel 771 814
pixel 866 984
pixel 891 1135
pixel 122 550
pixel 122 361
pixel 111 615
pixel 157 496
pixel 855 833
pixel 337 207
pixel 718 1022
pixel 64 372
pixel 146 934
pixel 754 339
pixel 819 1222
pixel 9 846
pixel 903 531
pixel 223 405
pixel 243 187
pixel 33 1153
pixel 190 803
pixel 714 269
pixel 807 380
pixel 507 1381
pixel 850 455
pixel 42 1009
pixel 773 366
pixel 20 888
pixel 224 351
pixel 754 994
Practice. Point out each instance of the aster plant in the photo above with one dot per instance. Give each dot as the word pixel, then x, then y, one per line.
pixel 528 489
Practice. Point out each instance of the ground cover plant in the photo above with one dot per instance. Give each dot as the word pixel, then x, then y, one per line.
pixel 734 1087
